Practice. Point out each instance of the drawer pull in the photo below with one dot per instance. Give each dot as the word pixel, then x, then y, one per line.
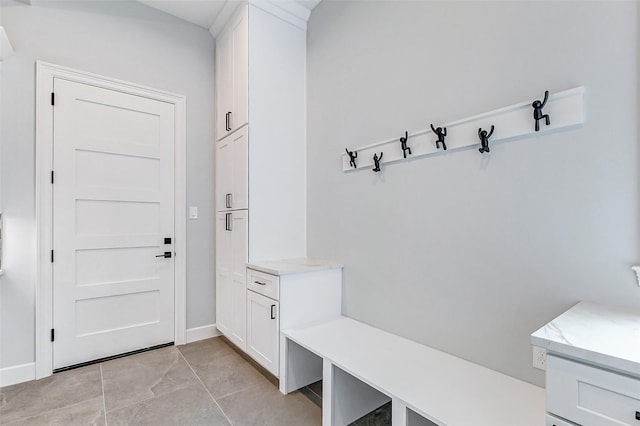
pixel 273 315
pixel 637 415
pixel 260 282
pixel 227 222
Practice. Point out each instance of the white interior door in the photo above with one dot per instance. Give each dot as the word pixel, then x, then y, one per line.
pixel 113 207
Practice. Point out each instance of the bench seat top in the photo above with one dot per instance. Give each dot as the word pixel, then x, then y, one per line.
pixel 443 388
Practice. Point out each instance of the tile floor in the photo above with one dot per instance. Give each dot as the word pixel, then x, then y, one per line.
pixel 202 383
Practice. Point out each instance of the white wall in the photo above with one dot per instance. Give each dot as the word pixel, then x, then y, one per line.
pixel 464 253
pixel 120 39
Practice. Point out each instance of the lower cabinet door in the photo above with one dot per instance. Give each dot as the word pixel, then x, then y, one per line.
pixel 263 329
pixel 231 276
pixel 224 306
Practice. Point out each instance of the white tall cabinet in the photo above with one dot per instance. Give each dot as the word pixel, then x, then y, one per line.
pixel 232 74
pixel 231 249
pixel 260 152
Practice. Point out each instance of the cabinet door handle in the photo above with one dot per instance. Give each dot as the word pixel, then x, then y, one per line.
pixel 273 314
pixel 230 120
pixel 227 222
pixel 637 415
pixel 227 117
pixel 228 200
pixel 260 282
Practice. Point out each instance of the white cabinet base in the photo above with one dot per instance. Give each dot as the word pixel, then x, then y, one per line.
pixel 295 300
pixel 591 396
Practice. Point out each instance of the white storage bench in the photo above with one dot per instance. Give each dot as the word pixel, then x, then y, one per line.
pixel 363 367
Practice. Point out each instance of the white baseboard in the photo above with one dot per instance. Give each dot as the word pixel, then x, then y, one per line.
pixel 26 372
pixel 17 374
pixel 201 333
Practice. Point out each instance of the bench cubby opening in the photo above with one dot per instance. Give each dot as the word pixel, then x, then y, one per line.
pixel 350 397
pixel 415 419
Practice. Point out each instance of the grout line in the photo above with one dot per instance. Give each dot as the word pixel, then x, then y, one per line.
pixel 104 400
pixel 205 388
pixel 40 413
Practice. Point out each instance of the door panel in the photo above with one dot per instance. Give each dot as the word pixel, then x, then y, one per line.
pixel 224 82
pixel 96 169
pixel 240 179
pixel 240 28
pixel 263 331
pixel 223 274
pixel 116 217
pixel 232 171
pixel 113 204
pixel 231 286
pixel 239 277
pixel 224 172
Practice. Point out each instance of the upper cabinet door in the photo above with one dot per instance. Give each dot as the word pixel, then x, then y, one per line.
pixel 224 173
pixel 240 26
pixel 232 172
pixel 232 71
pixel 224 83
pixel 240 181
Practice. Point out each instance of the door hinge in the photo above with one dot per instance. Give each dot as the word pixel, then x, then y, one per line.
pixel 51 176
pixel 53 335
pixel 53 98
pixel 51 256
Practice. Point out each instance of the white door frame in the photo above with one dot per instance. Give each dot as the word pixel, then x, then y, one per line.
pixel 45 73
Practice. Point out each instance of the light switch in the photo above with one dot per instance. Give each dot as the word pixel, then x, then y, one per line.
pixel 193 212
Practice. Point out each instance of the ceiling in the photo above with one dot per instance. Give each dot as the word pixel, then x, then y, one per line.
pixel 205 12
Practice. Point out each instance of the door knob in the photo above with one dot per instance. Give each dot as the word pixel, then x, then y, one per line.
pixel 167 254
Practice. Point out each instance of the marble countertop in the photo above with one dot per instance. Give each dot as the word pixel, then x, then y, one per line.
pixel 602 335
pixel 292 266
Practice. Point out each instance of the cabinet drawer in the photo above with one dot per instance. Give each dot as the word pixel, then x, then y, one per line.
pixel 265 284
pixel 591 396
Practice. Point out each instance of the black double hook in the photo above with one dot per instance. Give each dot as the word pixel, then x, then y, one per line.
pixel 484 139
pixel 537 111
pixel 352 158
pixel 403 142
pixel 376 161
pixel 441 132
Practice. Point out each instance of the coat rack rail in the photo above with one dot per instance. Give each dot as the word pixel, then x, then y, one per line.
pixel 565 108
